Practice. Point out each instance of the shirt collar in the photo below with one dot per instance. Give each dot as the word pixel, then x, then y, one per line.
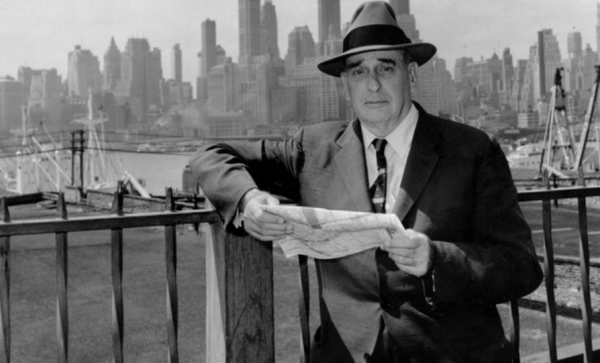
pixel 401 137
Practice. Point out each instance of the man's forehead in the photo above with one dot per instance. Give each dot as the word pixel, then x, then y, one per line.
pixel 380 55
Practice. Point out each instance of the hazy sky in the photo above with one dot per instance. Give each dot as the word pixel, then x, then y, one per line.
pixel 40 34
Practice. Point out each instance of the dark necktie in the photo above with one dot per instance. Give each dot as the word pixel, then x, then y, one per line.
pixel 378 189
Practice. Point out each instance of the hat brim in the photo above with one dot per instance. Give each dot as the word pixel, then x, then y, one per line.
pixel 420 53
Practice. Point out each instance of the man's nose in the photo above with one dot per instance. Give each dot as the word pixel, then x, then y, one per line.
pixel 374 84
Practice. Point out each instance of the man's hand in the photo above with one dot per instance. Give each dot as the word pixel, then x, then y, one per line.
pixel 259 223
pixel 412 253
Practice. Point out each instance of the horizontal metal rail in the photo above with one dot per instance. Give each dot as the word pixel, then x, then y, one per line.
pixel 100 222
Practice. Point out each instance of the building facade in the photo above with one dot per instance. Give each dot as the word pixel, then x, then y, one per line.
pixel 112 66
pixel 269 42
pixel 11 105
pixel 83 73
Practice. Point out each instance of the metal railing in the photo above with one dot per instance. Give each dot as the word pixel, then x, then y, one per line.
pixel 546 197
pixel 116 223
pixel 239 275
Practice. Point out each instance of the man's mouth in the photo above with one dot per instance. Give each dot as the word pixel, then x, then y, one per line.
pixel 375 103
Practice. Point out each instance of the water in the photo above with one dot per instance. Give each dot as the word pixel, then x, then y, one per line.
pixel 156 171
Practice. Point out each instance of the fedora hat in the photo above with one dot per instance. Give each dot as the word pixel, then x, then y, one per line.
pixel 374 27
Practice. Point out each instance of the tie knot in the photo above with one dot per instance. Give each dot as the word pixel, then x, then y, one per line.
pixel 379 145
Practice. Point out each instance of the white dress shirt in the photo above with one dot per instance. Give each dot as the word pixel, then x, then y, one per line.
pixel 396 153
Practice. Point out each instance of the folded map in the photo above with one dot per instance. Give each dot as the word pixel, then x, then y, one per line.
pixel 325 234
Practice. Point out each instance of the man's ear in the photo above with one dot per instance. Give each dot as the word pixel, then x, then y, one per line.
pixel 412 72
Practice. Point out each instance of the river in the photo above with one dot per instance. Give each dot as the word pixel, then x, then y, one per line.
pixel 155 170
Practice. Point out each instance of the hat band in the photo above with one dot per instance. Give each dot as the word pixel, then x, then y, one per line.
pixel 374 35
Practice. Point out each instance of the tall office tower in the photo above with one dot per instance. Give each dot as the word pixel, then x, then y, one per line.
pixel 209 47
pixel 574 44
pixel 329 20
pixel 546 59
pixel 249 23
pixel 224 85
pixel 460 68
pixel 508 71
pixel 11 104
pixel 446 96
pixel 269 25
pixel 112 66
pixel 176 64
pixel 141 71
pixel 83 73
pixel 516 103
pixel 24 76
pixel 44 99
pixel 300 46
pixel 589 60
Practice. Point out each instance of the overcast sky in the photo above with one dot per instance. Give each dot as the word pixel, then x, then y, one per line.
pixel 40 34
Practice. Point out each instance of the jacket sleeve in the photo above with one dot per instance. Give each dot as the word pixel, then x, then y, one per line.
pixel 226 171
pixel 500 262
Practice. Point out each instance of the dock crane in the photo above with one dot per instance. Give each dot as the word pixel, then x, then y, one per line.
pixel 558 135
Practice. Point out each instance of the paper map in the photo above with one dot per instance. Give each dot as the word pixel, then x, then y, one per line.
pixel 325 234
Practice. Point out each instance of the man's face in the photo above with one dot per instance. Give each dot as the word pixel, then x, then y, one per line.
pixel 378 85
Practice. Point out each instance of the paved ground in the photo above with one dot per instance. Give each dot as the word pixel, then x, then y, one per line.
pixel 33 299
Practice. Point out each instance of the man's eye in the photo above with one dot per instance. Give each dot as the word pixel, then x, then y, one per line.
pixel 387 69
pixel 356 72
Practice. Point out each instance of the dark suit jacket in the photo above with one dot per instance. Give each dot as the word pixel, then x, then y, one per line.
pixel 457 189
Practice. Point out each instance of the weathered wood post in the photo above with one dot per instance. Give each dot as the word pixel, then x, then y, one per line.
pixel 239 307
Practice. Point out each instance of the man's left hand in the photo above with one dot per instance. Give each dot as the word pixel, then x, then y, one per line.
pixel 411 253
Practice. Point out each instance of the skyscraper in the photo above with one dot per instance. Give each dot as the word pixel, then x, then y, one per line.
pixel 112 66
pixel 141 71
pixel 83 72
pixel 44 99
pixel 508 72
pixel 300 46
pixel 11 104
pixel 176 64
pixel 269 27
pixel 249 23
pixel 547 59
pixel 329 19
pixel 574 45
pixel 209 47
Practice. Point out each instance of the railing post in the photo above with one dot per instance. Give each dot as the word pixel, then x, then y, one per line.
pixel 584 265
pixel 117 279
pixel 5 286
pixel 62 314
pixel 549 279
pixel 171 262
pixel 240 315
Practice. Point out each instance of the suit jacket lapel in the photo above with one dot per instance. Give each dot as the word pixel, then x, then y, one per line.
pixel 421 162
pixel 351 167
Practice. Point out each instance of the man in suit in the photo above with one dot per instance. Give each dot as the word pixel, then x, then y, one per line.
pixel 429 296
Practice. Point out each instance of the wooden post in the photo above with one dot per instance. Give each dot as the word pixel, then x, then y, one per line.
pixel 117 279
pixel 239 308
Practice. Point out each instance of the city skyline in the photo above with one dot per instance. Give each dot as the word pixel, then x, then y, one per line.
pixel 41 37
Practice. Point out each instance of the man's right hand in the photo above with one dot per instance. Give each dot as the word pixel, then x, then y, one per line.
pixel 259 223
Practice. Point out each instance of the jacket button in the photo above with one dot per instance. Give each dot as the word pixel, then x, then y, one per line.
pixel 367 357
